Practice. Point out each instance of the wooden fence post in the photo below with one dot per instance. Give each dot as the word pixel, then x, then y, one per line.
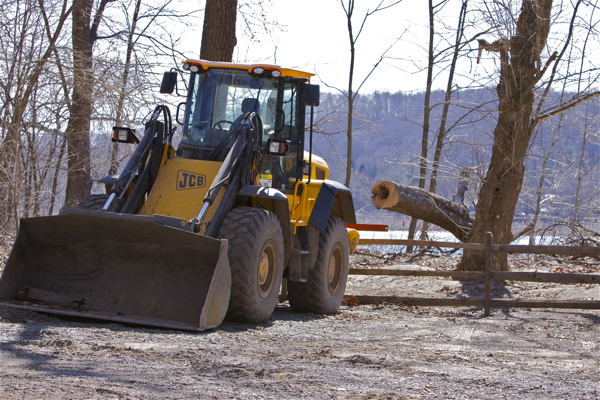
pixel 487 299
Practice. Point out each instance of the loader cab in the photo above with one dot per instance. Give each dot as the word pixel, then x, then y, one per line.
pixel 219 99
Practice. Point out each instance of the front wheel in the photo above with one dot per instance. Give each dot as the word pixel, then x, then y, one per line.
pixel 256 261
pixel 323 292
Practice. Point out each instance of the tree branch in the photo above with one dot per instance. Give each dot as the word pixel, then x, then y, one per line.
pixel 98 19
pixel 563 107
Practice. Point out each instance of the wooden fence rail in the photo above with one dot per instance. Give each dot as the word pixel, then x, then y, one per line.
pixel 487 275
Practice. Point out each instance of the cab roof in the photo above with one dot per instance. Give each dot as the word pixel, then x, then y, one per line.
pixel 285 72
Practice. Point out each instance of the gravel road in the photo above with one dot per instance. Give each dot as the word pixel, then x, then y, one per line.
pixel 364 352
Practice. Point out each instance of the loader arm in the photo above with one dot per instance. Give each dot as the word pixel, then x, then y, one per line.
pixel 233 174
pixel 141 169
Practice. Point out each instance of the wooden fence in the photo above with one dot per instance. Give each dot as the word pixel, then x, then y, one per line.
pixel 487 276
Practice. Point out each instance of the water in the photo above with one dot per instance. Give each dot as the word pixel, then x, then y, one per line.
pixel 437 236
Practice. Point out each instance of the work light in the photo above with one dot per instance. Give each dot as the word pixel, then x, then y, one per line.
pixel 277 147
pixel 124 135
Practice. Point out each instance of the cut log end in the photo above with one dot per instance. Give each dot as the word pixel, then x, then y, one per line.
pixel 384 194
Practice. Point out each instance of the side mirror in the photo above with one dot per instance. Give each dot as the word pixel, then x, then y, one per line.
pixel 169 82
pixel 177 113
pixel 312 95
pixel 277 147
pixel 124 135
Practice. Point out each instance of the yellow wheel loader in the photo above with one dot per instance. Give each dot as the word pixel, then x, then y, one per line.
pixel 188 235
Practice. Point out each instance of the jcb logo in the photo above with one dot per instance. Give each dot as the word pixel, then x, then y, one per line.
pixel 190 180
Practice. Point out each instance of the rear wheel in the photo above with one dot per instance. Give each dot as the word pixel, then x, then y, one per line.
pixel 256 262
pixel 323 292
pixel 94 202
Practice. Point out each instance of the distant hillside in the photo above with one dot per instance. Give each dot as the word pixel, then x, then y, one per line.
pixel 387 146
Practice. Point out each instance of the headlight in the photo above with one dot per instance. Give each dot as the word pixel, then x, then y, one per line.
pixel 258 70
pixel 194 68
pixel 186 66
pixel 275 74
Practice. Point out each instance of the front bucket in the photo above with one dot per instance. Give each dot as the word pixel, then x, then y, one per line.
pixel 118 267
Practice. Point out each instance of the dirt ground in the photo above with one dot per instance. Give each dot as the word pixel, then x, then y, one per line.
pixel 375 351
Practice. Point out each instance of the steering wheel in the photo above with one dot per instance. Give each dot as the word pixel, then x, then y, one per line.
pixel 217 125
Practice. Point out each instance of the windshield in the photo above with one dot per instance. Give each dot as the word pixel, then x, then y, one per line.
pixel 218 100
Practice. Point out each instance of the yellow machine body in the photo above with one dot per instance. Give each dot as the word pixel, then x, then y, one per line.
pixel 180 186
pixel 149 251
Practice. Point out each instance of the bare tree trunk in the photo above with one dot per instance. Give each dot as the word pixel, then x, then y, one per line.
pixel 542 179
pixel 583 169
pixel 426 115
pixel 79 182
pixel 114 162
pixel 218 33
pixel 442 132
pixel 520 71
pixel 351 93
pixel 350 96
pixel 26 193
pixel 84 32
pixel 32 172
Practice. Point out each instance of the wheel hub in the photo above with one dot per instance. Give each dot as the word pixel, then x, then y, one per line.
pixel 334 269
pixel 266 270
pixel 263 269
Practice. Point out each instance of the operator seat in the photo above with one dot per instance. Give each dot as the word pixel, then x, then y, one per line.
pixel 248 105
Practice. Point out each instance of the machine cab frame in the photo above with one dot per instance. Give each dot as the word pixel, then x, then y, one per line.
pixel 220 99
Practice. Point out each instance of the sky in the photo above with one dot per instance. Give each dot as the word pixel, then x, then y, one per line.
pixel 314 38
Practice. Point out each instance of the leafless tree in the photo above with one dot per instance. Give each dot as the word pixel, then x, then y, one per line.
pixel 528 70
pixel 39 100
pixel 523 32
pixel 30 32
pixel 350 93
pixel 441 55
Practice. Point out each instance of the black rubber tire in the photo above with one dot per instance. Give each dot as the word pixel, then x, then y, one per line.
pixel 94 202
pixel 323 292
pixel 256 262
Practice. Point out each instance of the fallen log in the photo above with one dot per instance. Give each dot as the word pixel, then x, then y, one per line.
pixel 419 203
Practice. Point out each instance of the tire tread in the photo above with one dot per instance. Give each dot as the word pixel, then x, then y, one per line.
pixel 241 228
pixel 310 296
